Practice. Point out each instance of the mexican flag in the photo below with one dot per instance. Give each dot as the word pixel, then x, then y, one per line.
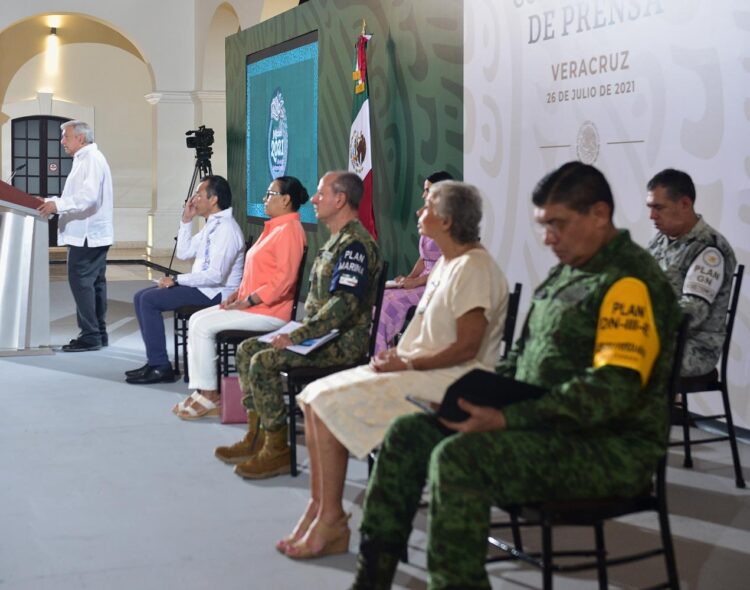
pixel 360 145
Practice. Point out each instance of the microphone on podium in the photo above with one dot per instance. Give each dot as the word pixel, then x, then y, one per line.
pixel 16 171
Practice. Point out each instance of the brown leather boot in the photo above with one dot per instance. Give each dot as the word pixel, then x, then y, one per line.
pixel 248 447
pixel 273 459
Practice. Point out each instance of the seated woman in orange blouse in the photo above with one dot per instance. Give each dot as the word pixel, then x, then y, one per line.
pixel 263 301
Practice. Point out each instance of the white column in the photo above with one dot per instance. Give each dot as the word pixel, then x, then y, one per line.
pixel 211 111
pixel 172 170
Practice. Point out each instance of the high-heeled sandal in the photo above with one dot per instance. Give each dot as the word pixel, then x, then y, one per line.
pixel 336 539
pixel 298 533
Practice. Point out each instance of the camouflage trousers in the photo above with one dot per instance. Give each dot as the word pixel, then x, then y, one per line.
pixel 259 364
pixel 468 473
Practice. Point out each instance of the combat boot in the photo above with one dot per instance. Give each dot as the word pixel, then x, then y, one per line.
pixel 248 447
pixel 275 458
pixel 376 564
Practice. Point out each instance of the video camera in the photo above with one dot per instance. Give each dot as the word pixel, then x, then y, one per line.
pixel 201 140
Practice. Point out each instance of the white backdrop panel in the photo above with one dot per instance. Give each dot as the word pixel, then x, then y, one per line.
pixel 631 86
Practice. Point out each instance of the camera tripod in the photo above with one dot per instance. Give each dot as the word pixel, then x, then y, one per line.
pixel 202 169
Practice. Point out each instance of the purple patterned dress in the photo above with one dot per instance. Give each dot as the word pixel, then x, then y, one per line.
pixel 396 302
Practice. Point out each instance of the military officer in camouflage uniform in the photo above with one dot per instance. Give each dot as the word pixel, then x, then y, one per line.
pixel 599 340
pixel 699 263
pixel 341 295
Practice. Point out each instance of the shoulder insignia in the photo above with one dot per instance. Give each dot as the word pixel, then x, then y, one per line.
pixel 705 275
pixel 626 333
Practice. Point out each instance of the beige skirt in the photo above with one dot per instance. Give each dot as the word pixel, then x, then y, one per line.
pixel 358 405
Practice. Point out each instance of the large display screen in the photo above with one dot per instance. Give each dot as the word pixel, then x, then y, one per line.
pixel 282 119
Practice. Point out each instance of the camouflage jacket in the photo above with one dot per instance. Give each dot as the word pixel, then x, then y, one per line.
pixel 699 265
pixel 591 350
pixel 343 282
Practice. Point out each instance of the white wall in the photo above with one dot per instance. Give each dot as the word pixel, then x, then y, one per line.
pixel 143 136
pixel 685 107
pixel 115 81
pixel 213 112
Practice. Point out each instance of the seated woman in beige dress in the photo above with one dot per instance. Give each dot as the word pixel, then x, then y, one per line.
pixel 457 327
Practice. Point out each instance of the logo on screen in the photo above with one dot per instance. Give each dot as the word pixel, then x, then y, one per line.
pixel 357 150
pixel 278 136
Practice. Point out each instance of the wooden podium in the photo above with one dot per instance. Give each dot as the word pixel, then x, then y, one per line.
pixel 24 275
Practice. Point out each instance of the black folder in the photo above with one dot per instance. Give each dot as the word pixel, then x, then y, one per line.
pixel 485 388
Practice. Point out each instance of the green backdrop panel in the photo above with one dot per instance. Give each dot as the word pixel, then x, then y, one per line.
pixel 415 69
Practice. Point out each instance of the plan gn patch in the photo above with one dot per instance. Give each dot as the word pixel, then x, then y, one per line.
pixel 626 334
pixel 706 275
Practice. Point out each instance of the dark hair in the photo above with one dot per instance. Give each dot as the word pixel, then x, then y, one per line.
pixel 289 185
pixel 462 203
pixel 219 187
pixel 439 176
pixel 576 185
pixel 676 182
pixel 351 185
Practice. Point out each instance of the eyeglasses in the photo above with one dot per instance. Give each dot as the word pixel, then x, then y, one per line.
pixel 271 194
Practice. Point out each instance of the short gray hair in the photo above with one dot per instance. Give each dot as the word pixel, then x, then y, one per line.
pixel 80 128
pixel 351 185
pixel 462 203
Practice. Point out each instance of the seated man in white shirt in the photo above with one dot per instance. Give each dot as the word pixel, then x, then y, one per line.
pixel 217 271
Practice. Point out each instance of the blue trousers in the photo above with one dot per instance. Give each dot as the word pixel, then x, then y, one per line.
pixel 150 303
pixel 87 268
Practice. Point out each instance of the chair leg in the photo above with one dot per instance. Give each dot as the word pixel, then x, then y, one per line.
pixel 601 555
pixel 688 461
pixel 546 556
pixel 186 377
pixel 175 333
pixel 219 369
pixel 293 430
pixel 668 546
pixel 738 477
pixel 515 529
pixel 224 359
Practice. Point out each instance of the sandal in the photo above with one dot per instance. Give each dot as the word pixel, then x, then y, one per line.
pixel 336 539
pixel 182 405
pixel 300 530
pixel 206 408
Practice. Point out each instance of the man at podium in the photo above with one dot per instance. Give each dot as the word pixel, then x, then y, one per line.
pixel 85 226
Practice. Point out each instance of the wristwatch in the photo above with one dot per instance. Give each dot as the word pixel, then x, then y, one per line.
pixel 250 301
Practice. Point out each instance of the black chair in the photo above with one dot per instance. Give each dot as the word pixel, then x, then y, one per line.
pixel 294 380
pixel 594 513
pixel 716 380
pixel 227 341
pixel 181 317
pixel 511 316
